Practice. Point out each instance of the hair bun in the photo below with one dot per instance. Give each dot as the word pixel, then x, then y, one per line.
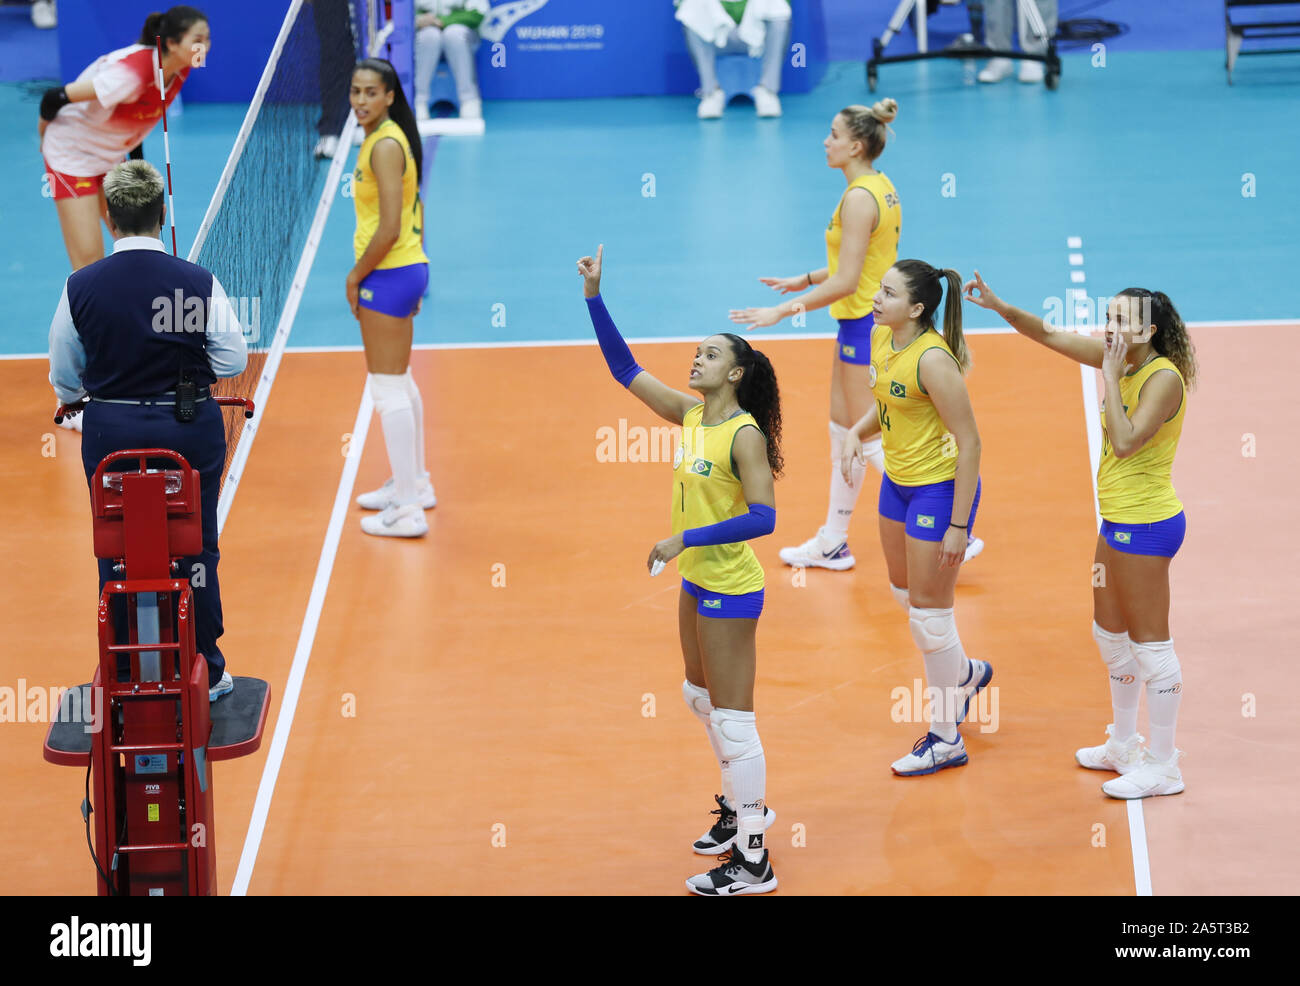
pixel 885 110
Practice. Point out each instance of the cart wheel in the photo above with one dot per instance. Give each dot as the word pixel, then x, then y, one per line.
pixel 871 78
pixel 1051 79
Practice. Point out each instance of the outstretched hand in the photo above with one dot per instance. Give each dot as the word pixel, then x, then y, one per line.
pixel 985 298
pixel 756 318
pixel 589 268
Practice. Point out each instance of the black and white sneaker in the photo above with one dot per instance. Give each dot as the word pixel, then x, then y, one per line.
pixel 734 875
pixel 719 838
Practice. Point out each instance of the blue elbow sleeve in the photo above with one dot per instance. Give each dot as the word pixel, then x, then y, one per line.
pixel 617 356
pixel 760 520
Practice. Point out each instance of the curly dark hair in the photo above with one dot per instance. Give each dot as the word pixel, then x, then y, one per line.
pixel 1171 339
pixel 758 394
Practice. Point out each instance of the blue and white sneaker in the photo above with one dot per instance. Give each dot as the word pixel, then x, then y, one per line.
pixel 223 687
pixel 929 755
pixel 734 875
pixel 981 673
pixel 819 552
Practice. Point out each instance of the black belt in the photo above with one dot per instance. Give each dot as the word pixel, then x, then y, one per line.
pixel 168 399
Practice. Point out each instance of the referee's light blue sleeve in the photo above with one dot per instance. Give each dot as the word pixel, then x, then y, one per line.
pixel 226 348
pixel 67 354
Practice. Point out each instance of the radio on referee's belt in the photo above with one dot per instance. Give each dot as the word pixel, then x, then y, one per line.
pixel 184 398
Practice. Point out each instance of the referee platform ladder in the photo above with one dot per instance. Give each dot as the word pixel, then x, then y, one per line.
pixel 148 749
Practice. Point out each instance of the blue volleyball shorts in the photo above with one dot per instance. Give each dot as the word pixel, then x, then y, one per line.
pixel 746 606
pixel 926 510
pixel 394 291
pixel 1162 538
pixel 853 344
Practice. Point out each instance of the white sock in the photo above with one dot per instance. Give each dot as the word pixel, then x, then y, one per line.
pixel 935 633
pixel 697 700
pixel 417 409
pixel 398 422
pixel 1164 693
pixel 1125 680
pixel 747 764
pixel 843 497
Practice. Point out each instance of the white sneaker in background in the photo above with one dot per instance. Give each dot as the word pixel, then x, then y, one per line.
pixel 383 498
pixel 397 522
pixel 996 70
pixel 326 146
pixel 471 109
pixel 1149 779
pixel 1031 72
pixel 766 101
pixel 72 424
pixel 818 552
pixel 930 755
pixel 45 14
pixel 712 105
pixel 973 547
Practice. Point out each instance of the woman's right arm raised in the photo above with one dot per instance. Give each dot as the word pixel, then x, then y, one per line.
pixel 669 404
pixel 1080 348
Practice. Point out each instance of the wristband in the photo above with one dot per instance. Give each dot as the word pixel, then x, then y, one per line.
pixel 809 276
pixel 52 101
pixel 960 527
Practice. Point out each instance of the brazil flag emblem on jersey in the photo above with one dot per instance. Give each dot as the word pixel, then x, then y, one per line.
pixel 897 389
pixel 701 467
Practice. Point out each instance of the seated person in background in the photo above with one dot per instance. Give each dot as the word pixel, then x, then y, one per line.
pixel 997 34
pixel 736 27
pixel 448 28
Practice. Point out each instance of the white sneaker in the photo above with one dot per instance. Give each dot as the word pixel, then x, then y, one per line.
pixel 973 547
pixel 383 498
pixel 44 14
pixel 996 70
pixel 72 424
pixel 722 834
pixel 1151 778
pixel 421 111
pixel 471 109
pixel 712 105
pixel 766 101
pixel 1031 71
pixel 326 146
pixel 818 552
pixel 397 522
pixel 930 755
pixel 1119 757
pixel 223 687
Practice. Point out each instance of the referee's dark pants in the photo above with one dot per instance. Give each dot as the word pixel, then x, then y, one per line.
pixel 115 427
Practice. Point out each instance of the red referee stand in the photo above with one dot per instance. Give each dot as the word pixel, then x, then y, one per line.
pixel 149 750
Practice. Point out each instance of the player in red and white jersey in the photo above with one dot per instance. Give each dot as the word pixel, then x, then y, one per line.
pixel 93 123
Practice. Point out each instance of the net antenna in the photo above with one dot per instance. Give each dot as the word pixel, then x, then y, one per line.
pixel 167 145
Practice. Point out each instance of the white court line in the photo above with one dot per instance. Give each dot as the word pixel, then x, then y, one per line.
pixel 645 341
pixel 1137 831
pixel 306 637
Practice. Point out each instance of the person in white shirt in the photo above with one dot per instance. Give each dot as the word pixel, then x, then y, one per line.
pixel 758 28
pixel 448 28
pixel 91 124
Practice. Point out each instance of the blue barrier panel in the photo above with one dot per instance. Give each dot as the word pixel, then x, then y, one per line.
pixel 532 49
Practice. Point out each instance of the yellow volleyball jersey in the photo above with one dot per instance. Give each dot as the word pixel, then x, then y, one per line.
pixel 882 250
pixel 706 490
pixel 919 450
pixel 1139 489
pixel 365 194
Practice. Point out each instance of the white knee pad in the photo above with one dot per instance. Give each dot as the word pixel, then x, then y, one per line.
pixel 901 597
pixel 1115 647
pixel 737 736
pixel 933 629
pixel 388 391
pixel 1156 659
pixel 697 700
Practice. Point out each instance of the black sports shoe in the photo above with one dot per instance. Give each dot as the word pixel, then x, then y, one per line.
pixel 734 875
pixel 719 838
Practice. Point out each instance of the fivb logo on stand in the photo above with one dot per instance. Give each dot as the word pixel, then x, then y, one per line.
pixel 504 16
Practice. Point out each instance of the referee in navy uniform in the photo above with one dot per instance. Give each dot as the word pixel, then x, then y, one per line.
pixel 129 330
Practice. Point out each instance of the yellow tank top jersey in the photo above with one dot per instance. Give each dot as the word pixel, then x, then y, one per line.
pixel 706 490
pixel 919 450
pixel 1140 489
pixel 365 194
pixel 882 250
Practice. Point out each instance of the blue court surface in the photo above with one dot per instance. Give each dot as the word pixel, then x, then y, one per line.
pixel 1170 178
